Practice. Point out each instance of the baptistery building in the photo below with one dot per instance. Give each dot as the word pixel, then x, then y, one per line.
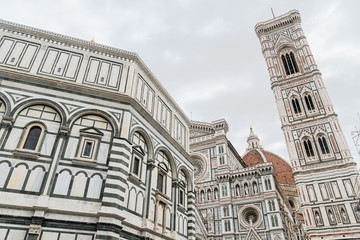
pixel 91 145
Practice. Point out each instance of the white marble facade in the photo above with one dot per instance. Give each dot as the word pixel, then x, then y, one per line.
pixel 92 146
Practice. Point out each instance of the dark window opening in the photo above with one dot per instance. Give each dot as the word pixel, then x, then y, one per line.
pixel 285 65
pixel 292 71
pixel 309 103
pixel 160 182
pixel 294 62
pixel 136 166
pixel 323 145
pixel 181 197
pixel 296 105
pixel 32 138
pixel 87 149
pixel 308 148
pixel 289 63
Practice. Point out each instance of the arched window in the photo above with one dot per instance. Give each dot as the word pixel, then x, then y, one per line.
pixel 296 105
pixel 183 189
pixel 309 102
pixel 32 137
pixel 140 150
pixel 323 145
pixel 139 140
pixel 308 148
pixel 289 63
pixel 164 173
pixel 285 65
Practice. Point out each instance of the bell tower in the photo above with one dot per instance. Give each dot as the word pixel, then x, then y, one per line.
pixel 325 172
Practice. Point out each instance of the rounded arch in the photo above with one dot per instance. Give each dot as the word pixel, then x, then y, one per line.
pixel 36 123
pixel 189 179
pixel 65 170
pixel 6 161
pixel 39 166
pixel 79 172
pixel 6 101
pixel 96 174
pixel 39 101
pixel 146 136
pixel 93 111
pixel 170 158
pixel 19 164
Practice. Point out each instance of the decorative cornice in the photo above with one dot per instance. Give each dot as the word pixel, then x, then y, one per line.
pixel 278 22
pixel 88 46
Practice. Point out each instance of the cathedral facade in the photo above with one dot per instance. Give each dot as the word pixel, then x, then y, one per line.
pixel 241 198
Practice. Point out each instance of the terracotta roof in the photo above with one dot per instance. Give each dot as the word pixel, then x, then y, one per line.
pixel 283 171
pixel 252 158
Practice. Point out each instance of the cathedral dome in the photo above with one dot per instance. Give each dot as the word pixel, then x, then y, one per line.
pixel 255 154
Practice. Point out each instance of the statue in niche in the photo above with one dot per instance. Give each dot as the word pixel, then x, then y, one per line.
pixel 202 197
pixel 208 195
pixel 255 188
pixel 237 190
pixel 343 215
pixel 216 194
pixel 318 218
pixel 246 189
pixel 331 216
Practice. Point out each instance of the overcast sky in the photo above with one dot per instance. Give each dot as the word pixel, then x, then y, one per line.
pixel 208 57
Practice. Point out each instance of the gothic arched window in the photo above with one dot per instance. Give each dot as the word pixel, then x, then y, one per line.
pixel 323 145
pixel 289 63
pixel 296 105
pixel 308 148
pixel 309 102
